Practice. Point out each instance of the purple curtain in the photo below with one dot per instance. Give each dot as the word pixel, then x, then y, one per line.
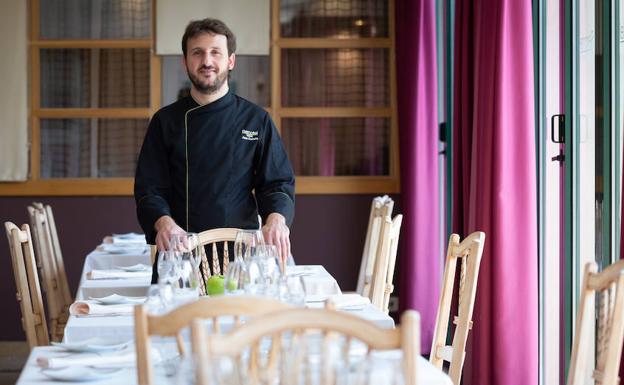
pixel 495 184
pixel 418 136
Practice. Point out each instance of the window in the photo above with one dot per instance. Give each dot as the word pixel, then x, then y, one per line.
pixel 329 84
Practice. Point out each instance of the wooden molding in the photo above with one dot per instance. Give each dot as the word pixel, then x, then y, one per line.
pixel 76 113
pixel 335 112
pixel 319 43
pixel 92 43
pixel 306 185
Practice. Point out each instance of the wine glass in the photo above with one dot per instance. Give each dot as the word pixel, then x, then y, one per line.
pixel 271 270
pixel 247 242
pixel 192 249
pixel 188 287
pixel 296 292
pixel 236 276
pixel 167 267
pixel 254 281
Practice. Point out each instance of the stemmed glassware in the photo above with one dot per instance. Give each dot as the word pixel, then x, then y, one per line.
pixel 167 267
pixel 247 243
pixel 271 271
pixel 187 248
pixel 243 274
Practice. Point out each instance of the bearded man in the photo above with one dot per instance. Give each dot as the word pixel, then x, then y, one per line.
pixel 213 159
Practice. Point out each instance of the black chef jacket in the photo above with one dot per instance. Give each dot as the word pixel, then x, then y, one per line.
pixel 201 165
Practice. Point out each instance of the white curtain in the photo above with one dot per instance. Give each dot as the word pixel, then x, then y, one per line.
pixel 14 80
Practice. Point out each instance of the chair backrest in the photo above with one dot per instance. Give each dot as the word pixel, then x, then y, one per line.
pixel 58 257
pixel 172 323
pixel 210 239
pixel 469 251
pixel 383 272
pixel 296 323
pixel 609 284
pixel 62 274
pixel 49 273
pixel 27 283
pixel 380 207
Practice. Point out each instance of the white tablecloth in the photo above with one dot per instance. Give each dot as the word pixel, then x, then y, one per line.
pixel 103 287
pixel 315 279
pixel 102 261
pixel 31 374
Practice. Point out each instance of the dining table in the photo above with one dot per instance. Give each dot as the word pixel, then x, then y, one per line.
pixel 316 281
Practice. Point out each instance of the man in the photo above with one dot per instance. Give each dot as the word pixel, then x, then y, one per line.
pixel 213 159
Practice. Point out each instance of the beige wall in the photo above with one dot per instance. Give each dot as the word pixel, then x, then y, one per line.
pixel 13 91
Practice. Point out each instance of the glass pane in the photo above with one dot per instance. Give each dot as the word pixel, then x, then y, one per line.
pixel 121 78
pixel 552 265
pixel 90 148
pixel 103 19
pixel 334 18
pixel 65 148
pixel 119 144
pixel 251 79
pixel 335 78
pixel 337 146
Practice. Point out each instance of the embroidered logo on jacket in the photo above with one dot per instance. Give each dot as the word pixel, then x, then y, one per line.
pixel 249 135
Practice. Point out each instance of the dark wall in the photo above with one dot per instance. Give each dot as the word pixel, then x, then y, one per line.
pixel 328 230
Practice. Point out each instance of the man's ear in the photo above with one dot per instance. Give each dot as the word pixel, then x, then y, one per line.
pixel 183 62
pixel 231 61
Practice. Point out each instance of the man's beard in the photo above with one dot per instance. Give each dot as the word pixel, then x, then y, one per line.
pixel 205 87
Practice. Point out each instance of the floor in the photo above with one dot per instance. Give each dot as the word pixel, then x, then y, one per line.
pixel 13 355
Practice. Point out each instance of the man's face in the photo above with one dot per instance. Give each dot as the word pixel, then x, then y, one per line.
pixel 207 62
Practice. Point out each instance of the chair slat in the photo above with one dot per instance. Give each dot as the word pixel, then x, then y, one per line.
pixel 468 252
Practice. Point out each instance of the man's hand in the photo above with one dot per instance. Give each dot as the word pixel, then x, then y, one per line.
pixel 166 228
pixel 277 233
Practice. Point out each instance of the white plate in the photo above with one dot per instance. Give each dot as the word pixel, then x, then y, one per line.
pixel 115 299
pixel 124 250
pixel 79 373
pixel 129 236
pixel 137 267
pixel 94 345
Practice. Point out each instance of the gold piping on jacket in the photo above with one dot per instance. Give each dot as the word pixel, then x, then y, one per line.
pixel 187 162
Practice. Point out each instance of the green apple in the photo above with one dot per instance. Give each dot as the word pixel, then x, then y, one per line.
pixel 214 286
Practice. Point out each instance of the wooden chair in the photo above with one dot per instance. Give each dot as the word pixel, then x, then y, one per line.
pixel 469 251
pixel 380 208
pixel 383 272
pixel 609 284
pixel 296 323
pixel 210 238
pixel 57 315
pixel 67 298
pixel 172 324
pixel 27 283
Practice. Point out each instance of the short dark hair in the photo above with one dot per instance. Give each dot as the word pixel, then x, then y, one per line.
pixel 212 26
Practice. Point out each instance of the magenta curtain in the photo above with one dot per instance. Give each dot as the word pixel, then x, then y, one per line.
pixel 418 128
pixel 495 184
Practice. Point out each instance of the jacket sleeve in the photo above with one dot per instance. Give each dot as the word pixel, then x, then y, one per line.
pixel 152 187
pixel 275 179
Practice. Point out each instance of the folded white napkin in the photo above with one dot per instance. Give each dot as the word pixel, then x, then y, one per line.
pixel 122 358
pixel 131 248
pixel 129 238
pixel 92 308
pixel 348 300
pixel 114 274
pixel 301 270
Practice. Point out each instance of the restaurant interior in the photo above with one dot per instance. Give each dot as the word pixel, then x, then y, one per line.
pixel 454 168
